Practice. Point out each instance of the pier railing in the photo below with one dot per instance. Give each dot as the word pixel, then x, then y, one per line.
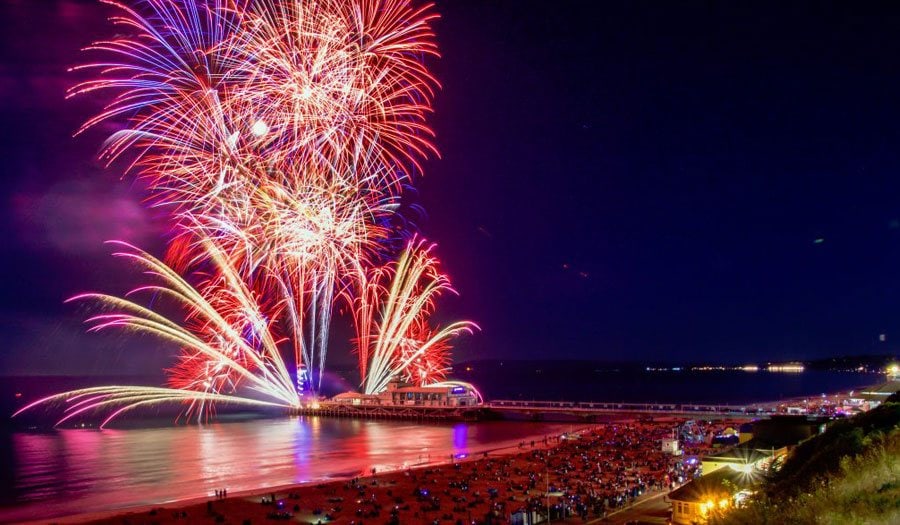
pixel 582 406
pixel 378 411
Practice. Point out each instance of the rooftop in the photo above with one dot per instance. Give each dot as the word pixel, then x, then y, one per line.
pixel 720 483
pixel 741 454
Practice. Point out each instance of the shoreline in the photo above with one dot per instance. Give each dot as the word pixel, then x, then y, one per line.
pixel 495 450
pixel 481 487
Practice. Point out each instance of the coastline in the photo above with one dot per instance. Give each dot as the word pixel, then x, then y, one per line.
pixel 595 470
pixel 494 450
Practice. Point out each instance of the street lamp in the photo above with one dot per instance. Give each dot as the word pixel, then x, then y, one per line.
pixel 548 493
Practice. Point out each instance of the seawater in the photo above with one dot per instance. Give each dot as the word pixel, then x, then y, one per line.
pixel 147 459
pixel 562 381
pixel 69 471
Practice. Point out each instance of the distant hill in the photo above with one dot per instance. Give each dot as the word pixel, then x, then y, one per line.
pixel 550 364
pixel 871 363
pixel 868 362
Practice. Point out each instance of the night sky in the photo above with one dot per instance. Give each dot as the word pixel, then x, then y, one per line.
pixel 660 181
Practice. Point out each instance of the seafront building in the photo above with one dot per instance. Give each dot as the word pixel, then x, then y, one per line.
pixel 718 491
pixel 450 394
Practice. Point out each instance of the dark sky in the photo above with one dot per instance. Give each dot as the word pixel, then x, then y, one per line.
pixel 619 180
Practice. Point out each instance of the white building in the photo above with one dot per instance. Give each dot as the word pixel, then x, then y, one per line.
pixel 444 394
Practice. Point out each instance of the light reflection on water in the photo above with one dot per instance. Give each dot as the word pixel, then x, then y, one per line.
pixel 71 471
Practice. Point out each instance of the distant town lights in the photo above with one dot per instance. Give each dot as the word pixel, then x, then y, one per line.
pixel 786 367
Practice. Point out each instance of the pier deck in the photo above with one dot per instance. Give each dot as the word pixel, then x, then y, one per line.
pixel 534 410
pixel 418 412
pixel 546 410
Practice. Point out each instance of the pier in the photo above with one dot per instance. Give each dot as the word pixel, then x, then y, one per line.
pixel 589 411
pixel 415 412
pixel 533 410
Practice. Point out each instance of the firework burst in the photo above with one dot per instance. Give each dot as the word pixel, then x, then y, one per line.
pixel 226 341
pixel 279 135
pixel 399 343
pixel 216 95
pixel 330 78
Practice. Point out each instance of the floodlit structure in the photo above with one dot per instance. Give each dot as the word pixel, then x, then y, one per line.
pixel 447 395
pixel 743 459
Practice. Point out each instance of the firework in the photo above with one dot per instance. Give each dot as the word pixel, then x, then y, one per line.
pixel 121 399
pixel 223 325
pixel 300 242
pixel 428 366
pixel 216 96
pixel 400 344
pixel 331 78
pixel 279 131
pixel 225 339
pixel 279 135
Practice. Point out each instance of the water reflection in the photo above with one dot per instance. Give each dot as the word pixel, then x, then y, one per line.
pixel 70 471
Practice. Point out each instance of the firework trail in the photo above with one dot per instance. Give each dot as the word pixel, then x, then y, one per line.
pixel 300 242
pixel 427 353
pixel 218 357
pixel 400 344
pixel 121 399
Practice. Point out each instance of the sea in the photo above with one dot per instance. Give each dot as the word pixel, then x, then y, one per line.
pixel 149 459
